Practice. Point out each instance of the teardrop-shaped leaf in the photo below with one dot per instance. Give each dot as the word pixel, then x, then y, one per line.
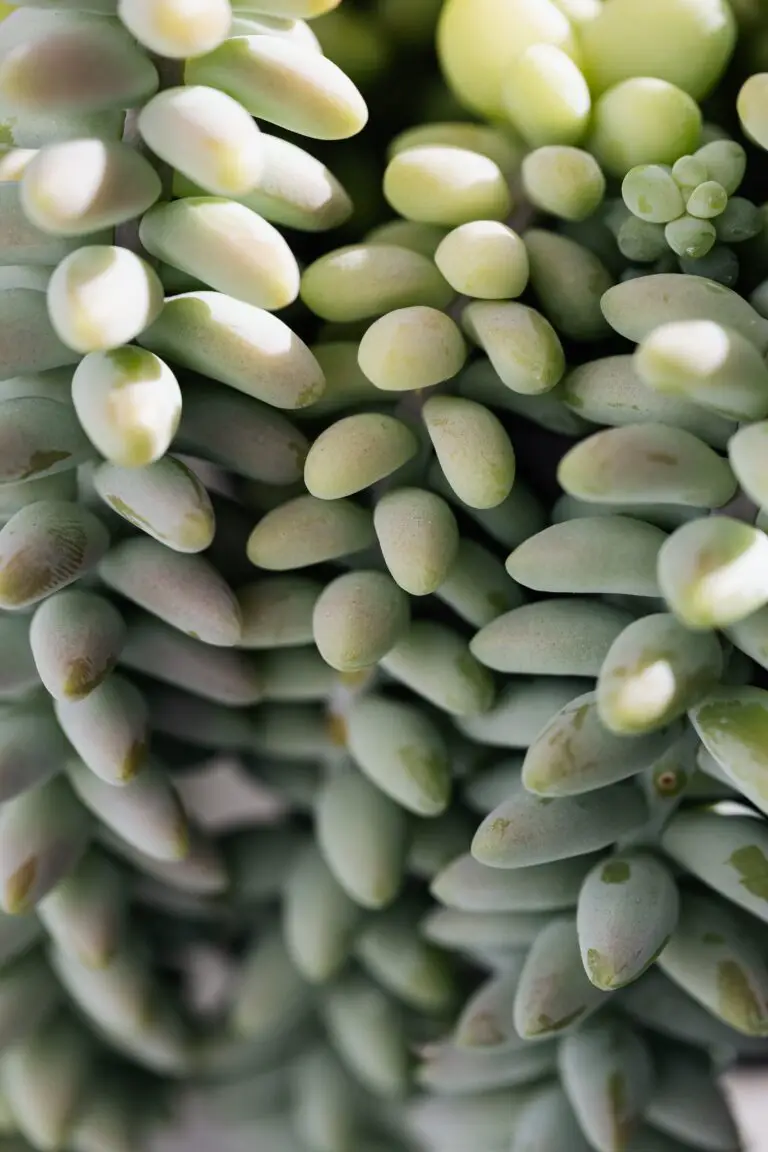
pixel 367 1031
pixel 732 723
pixel 554 995
pixel 466 930
pixel 270 996
pixel 44 1077
pixel 725 851
pixel 647 463
pixel 85 913
pixel 46 546
pixel 145 812
pixel 575 753
pixel 118 998
pixel 362 835
pixel 184 590
pixel 319 918
pixel 608 1076
pixel 486 1120
pixel 473 449
pixel 447 1070
pixel 477 586
pixel 43 833
pixel 76 639
pixel 521 710
pixel 402 752
pixel 469 886
pixel 108 730
pixel 558 637
pixel 614 554
pixel 435 663
pixel 628 908
pixel 527 829
pixel 391 950
pixel 654 672
pixel 716 958
pixel 165 499
pixel 712 572
pixel 308 531
pixel 40 437
pixel 358 618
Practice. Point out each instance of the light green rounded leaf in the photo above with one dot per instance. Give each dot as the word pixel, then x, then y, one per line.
pixel 558 637
pixel 412 348
pixel 727 852
pixel 610 391
pixel 129 404
pixel 554 995
pixel 360 281
pixel 358 618
pixel 79 186
pixel 85 914
pixel 165 499
pixel 46 546
pixel 101 297
pixel 418 536
pixel 465 931
pixel 636 307
pixel 76 66
pixel 473 449
pixel 76 638
pixel 44 1077
pixel 747 455
pixel 486 1022
pixel 320 920
pixel 270 996
pixel 716 957
pixel 307 531
pixel 390 949
pixel 362 835
pixel 239 344
pixel 732 723
pixel 278 611
pixel 355 452
pixel 469 886
pixel 711 572
pixel 435 663
pixel 439 184
pixel 446 1070
pixel 520 343
pixel 522 709
pixel 39 437
pixel 241 434
pixel 477 586
pixel 325 1102
pixel 563 181
pixel 109 729
pixel 285 83
pixel 163 652
pixel 519 516
pixel 401 750
pixel 608 554
pixel 628 908
pixel 28 341
pixel 291 187
pixel 569 282
pixel 368 1033
pixel 185 591
pixel 575 753
pixel 32 748
pixel 296 674
pixel 483 259
pixel 226 246
pixel 707 363
pixel 206 136
pixel 647 464
pixel 145 812
pixel 43 833
pixel 608 1076
pixel 654 672
pixel 527 829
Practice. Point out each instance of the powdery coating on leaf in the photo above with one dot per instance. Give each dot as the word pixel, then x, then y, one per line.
pixel 44 547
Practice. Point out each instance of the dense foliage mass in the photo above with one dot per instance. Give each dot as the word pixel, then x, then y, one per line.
pixel 424 475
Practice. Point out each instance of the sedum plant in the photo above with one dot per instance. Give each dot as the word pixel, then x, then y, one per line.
pixel 448 528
